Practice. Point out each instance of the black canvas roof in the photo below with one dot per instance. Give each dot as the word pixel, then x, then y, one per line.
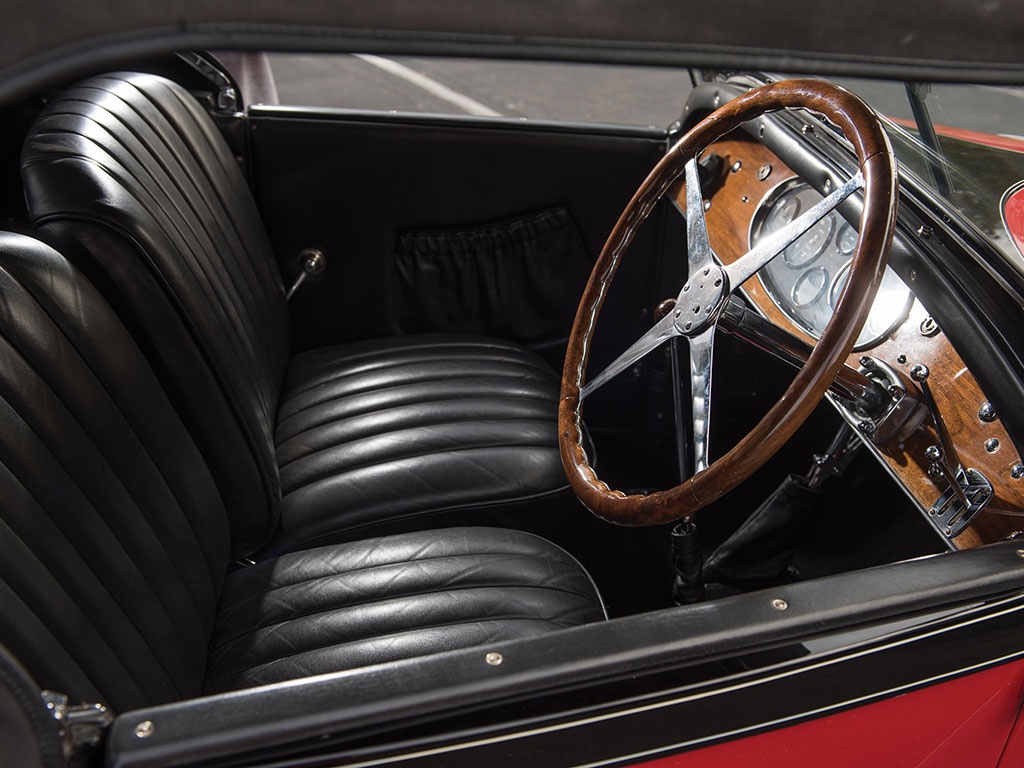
pixel 920 39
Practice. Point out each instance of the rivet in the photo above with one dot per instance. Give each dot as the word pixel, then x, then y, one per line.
pixel 992 445
pixel 779 604
pixel 901 359
pixel 1017 471
pixel 736 166
pixel 987 412
pixel 764 172
pixel 145 729
pixel 1020 553
pixel 744 199
pixel 919 372
pixel 807 129
pixel 707 205
pixel 828 185
pixel 924 232
pixel 494 658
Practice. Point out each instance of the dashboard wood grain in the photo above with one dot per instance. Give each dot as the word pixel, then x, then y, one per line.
pixel 752 170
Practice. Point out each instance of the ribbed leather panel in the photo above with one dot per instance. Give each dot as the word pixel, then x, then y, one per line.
pixel 384 599
pixel 113 540
pixel 407 427
pixel 129 177
pixel 137 154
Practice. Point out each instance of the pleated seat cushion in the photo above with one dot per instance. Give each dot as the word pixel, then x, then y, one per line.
pixel 379 600
pixel 114 559
pixel 129 178
pixel 414 428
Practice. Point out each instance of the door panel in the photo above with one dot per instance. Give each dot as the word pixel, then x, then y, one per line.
pixel 353 184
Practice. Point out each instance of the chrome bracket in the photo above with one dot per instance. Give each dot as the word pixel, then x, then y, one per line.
pixel 82 726
pixel 949 514
pixel 893 417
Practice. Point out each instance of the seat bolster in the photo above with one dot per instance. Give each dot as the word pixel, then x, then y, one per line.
pixel 379 600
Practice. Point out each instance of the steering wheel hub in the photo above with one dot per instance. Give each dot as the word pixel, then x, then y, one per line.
pixel 701 300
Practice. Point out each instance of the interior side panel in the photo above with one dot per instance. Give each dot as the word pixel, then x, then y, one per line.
pixel 353 185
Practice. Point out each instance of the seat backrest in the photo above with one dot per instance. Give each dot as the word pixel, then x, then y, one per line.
pixel 128 177
pixel 113 537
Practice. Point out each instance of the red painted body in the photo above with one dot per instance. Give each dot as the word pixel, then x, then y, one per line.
pixel 1013 215
pixel 970 722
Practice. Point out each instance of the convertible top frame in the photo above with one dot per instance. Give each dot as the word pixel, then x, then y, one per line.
pixel 49 41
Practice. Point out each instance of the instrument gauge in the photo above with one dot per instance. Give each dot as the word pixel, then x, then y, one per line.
pixel 806 279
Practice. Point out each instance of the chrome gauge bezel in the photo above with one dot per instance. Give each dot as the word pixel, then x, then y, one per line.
pixel 790 305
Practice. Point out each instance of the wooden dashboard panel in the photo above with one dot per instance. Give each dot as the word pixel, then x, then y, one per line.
pixel 753 171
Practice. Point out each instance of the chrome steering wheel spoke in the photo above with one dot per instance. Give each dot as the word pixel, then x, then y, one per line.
pixel 700 395
pixel 701 300
pixel 658 334
pixel 769 247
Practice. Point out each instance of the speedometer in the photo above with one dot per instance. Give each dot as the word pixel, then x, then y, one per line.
pixel 806 279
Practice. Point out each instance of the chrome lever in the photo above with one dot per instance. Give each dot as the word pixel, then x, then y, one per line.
pixel 314 261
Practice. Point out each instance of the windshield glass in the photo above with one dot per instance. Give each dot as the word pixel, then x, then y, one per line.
pixel 964 143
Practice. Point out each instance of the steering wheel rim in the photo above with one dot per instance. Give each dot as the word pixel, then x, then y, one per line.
pixel 877 169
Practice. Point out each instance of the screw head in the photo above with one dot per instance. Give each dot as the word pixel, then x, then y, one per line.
pixel 764 171
pixel 929 327
pixel 919 372
pixel 1017 471
pixel 145 729
pixel 494 658
pixel 992 445
pixel 779 604
pixel 933 453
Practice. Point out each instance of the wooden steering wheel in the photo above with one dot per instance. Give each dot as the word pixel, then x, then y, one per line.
pixel 701 301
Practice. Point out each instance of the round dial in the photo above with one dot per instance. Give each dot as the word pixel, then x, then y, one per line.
pixel 806 279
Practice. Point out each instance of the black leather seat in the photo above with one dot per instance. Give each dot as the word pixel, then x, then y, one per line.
pixel 115 583
pixel 128 177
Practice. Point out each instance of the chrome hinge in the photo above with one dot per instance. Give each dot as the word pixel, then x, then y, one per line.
pixel 82 726
pixel 956 507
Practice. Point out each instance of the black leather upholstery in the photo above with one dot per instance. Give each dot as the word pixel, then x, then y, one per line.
pixel 390 428
pixel 392 598
pixel 114 538
pixel 128 177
